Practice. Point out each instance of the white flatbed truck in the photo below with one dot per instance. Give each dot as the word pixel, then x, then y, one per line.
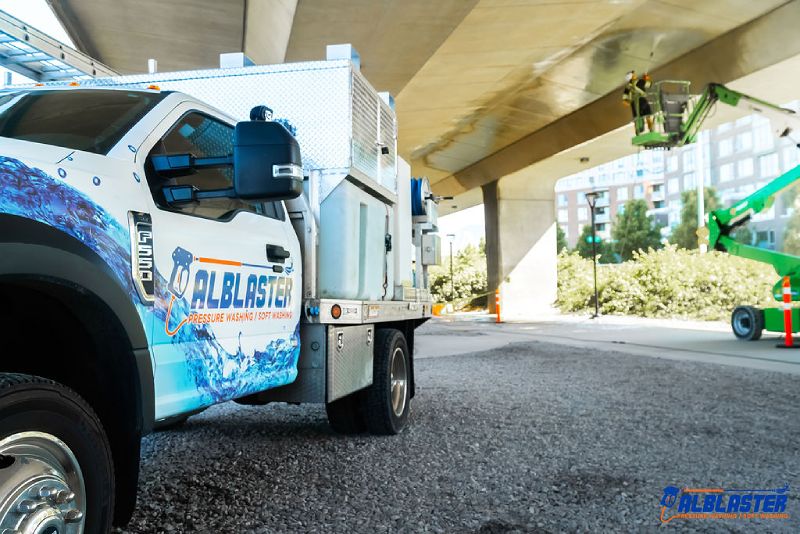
pixel 172 241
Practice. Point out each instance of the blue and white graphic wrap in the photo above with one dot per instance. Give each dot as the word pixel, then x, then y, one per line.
pixel 204 365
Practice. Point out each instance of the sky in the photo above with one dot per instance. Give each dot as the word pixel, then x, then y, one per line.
pixel 37 14
pixel 467 225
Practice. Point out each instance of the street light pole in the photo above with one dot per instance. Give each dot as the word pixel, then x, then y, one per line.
pixel 591 199
pixel 452 284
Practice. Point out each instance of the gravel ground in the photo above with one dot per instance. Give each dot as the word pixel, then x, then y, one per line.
pixel 532 437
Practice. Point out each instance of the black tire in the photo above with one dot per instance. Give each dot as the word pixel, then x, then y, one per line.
pixel 34 404
pixel 345 414
pixel 747 323
pixel 379 410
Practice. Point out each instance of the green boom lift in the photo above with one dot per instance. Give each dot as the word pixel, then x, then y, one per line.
pixel 677 118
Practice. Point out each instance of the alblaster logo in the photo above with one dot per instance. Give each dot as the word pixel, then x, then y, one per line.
pixel 223 292
pixel 721 503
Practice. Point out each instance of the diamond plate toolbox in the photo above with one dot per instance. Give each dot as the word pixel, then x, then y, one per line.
pixel 349 366
pixel 336 115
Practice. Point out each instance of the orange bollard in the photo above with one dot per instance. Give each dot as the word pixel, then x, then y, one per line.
pixel 787 310
pixel 497 304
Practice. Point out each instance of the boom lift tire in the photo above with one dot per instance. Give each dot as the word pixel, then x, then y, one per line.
pixel 386 402
pixel 345 416
pixel 747 323
pixel 52 445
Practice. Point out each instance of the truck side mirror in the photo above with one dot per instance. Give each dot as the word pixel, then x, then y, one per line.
pixel 266 162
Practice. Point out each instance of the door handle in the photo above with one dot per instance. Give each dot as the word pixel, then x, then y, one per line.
pixel 277 254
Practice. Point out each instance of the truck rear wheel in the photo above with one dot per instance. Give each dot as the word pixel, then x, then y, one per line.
pixel 386 401
pixel 56 472
pixel 747 323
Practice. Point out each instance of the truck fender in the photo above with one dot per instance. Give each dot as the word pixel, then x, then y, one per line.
pixel 30 250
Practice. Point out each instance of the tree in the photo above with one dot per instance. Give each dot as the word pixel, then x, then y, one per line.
pixel 561 239
pixel 635 230
pixel 685 234
pixel 605 253
pixel 791 238
pixel 469 276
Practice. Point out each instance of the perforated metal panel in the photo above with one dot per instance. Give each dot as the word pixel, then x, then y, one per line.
pixel 365 127
pixel 388 139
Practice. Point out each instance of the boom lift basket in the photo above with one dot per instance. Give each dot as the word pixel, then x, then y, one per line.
pixel 670 101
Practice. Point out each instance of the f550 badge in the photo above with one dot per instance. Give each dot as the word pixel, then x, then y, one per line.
pixel 142 264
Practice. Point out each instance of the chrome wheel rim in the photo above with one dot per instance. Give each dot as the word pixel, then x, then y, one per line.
pixel 399 381
pixel 42 490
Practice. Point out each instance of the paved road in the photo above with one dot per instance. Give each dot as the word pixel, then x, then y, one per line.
pixel 683 340
pixel 526 437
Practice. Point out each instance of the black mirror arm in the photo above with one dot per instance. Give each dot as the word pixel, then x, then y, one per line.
pixel 215 193
pixel 184 164
pixel 182 194
pixel 213 161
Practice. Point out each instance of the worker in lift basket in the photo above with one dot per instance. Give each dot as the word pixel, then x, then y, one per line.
pixel 635 95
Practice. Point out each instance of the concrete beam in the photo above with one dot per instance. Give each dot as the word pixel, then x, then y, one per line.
pixel 751 47
pixel 395 38
pixel 186 34
pixel 267 28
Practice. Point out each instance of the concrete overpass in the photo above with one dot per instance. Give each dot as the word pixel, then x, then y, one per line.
pixel 496 99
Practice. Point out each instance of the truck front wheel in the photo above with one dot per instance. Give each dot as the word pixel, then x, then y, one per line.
pixel 56 472
pixel 386 401
pixel 747 323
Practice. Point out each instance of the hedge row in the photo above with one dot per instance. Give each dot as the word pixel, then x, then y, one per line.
pixel 666 283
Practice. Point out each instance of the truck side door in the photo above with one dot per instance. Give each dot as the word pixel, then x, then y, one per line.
pixel 228 290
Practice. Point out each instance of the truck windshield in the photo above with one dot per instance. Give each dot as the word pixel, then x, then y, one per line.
pixel 92 120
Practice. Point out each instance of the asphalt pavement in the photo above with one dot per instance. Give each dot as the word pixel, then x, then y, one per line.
pixel 523 436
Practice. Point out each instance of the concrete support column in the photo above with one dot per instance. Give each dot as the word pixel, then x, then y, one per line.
pixel 521 244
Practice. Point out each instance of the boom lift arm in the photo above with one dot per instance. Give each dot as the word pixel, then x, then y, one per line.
pixel 678 125
pixel 678 118
pixel 722 222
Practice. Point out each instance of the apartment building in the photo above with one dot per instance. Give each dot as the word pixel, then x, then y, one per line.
pixel 639 176
pixel 736 158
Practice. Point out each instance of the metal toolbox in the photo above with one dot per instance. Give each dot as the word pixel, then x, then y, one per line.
pixel 349 359
pixel 344 127
pixel 431 249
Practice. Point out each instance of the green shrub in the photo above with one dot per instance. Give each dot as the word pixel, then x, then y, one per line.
pixel 575 289
pixel 666 283
pixel 469 276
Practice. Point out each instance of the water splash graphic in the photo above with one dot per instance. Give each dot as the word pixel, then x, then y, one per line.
pixel 215 373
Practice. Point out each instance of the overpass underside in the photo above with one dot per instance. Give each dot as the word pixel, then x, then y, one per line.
pixel 496 99
pixel 516 184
